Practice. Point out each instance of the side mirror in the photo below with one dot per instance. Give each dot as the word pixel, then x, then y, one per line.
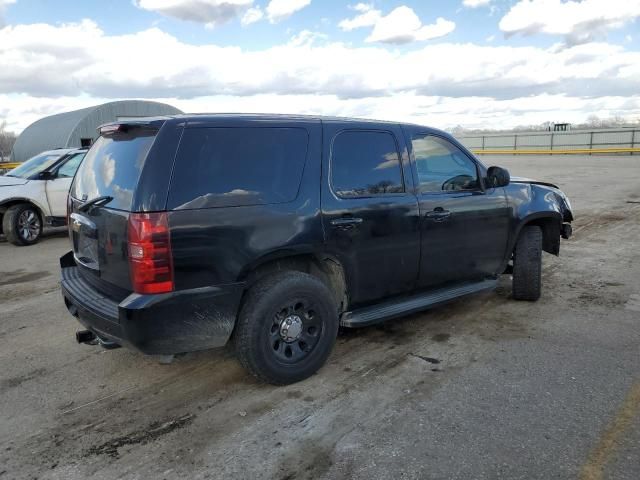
pixel 497 177
pixel 46 175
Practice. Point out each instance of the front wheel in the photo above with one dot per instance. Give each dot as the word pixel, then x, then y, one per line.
pixel 527 264
pixel 22 224
pixel 287 327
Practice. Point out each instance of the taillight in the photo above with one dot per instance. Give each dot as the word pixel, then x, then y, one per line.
pixel 150 259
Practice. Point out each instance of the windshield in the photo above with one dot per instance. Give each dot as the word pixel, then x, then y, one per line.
pixel 34 165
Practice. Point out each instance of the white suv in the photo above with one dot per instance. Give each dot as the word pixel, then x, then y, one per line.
pixel 35 194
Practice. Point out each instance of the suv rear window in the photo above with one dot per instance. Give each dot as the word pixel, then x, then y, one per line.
pixel 112 167
pixel 226 167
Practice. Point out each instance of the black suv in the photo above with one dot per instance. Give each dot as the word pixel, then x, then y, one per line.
pixel 273 231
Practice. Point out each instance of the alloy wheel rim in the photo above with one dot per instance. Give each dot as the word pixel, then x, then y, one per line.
pixel 29 225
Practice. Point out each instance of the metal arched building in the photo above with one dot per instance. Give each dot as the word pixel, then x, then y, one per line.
pixel 78 128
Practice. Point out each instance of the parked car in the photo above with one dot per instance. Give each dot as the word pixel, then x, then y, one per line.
pixel 34 194
pixel 273 231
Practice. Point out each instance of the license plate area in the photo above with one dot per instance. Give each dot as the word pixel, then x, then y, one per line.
pixel 84 236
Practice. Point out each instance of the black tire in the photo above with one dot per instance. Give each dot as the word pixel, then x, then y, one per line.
pixel 262 347
pixel 22 224
pixel 527 264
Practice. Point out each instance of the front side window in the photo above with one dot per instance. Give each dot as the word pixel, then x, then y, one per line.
pixel 69 168
pixel 364 164
pixel 442 167
pixel 230 167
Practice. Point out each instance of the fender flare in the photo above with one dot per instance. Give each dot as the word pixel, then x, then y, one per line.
pixel 329 267
pixel 549 214
pixel 545 215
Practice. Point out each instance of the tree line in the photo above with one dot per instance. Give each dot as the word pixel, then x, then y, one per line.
pixel 7 139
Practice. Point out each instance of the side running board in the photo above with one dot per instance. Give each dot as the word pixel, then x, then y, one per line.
pixel 366 316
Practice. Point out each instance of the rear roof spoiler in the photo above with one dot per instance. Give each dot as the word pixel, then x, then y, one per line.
pixel 124 124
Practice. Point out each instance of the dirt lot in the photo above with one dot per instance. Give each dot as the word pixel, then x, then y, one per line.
pixel 486 387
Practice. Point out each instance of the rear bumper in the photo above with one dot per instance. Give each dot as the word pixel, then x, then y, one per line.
pixel 163 324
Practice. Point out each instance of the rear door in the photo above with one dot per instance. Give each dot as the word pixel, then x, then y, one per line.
pixel 370 215
pixel 111 171
pixel 464 227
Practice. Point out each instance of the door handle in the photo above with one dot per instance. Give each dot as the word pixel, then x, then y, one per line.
pixel 438 215
pixel 346 222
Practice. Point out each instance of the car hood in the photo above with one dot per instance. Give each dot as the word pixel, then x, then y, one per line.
pixel 534 182
pixel 11 181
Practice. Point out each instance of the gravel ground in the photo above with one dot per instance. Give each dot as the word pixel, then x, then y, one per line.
pixel 485 387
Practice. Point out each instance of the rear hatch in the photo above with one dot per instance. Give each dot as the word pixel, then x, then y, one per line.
pixel 100 205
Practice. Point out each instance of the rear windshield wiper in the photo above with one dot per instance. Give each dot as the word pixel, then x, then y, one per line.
pixel 95 202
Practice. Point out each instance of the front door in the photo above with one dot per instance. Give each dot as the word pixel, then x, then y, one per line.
pixel 58 187
pixel 370 215
pixel 464 227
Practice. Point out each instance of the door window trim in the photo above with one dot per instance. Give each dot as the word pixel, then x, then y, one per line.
pixel 404 192
pixel 479 189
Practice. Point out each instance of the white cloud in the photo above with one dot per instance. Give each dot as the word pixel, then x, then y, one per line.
pixel 475 3
pixel 306 38
pixel 3 5
pixel 209 12
pixel 81 58
pixel 368 17
pixel 252 15
pixel 48 69
pixel 578 21
pixel 278 10
pixel 435 111
pixel 72 59
pixel 402 25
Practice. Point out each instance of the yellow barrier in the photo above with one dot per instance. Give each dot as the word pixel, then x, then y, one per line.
pixel 557 152
pixel 9 166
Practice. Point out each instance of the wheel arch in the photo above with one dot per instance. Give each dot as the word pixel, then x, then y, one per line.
pixel 323 266
pixel 10 202
pixel 550 222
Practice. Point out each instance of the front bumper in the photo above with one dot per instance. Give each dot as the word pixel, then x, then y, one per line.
pixel 162 324
pixel 566 231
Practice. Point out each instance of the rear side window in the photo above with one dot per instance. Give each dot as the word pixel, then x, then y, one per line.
pixel 227 167
pixel 365 163
pixel 112 168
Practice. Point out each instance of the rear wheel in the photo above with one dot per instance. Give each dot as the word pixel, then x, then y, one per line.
pixel 286 328
pixel 527 264
pixel 22 224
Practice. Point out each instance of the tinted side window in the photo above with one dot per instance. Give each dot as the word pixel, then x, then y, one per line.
pixel 442 166
pixel 70 166
pixel 224 167
pixel 365 163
